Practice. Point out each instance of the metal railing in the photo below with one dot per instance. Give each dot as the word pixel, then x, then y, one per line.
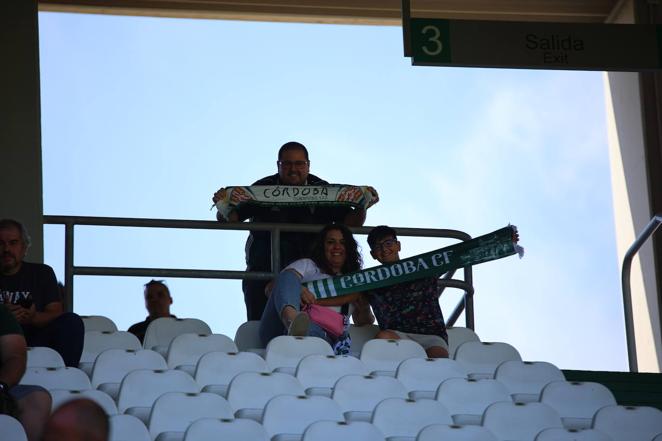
pixel 647 232
pixel 70 270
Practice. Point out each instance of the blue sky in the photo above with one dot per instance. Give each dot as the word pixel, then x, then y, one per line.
pixel 147 117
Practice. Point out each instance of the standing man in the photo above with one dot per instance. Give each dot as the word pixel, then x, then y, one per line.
pixel 30 292
pixel 408 310
pixel 157 303
pixel 293 169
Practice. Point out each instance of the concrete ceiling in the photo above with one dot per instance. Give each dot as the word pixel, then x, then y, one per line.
pixel 383 12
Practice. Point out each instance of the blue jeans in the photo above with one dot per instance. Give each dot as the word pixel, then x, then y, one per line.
pixel 286 292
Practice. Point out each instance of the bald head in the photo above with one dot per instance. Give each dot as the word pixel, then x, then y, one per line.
pixel 77 420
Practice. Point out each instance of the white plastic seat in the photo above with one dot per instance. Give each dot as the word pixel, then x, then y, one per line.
pixel 249 392
pixel 481 359
pixel 658 437
pixel 284 352
pixel 211 429
pixel 520 421
pixel 61 396
pixel 127 428
pixel 11 429
pixel 360 335
pixel 335 431
pixel 467 399
pixel 358 395
pixel 186 349
pixel 399 417
pixel 98 323
pixel 288 416
pixel 422 376
pixel 42 356
pixel 57 378
pixel 162 331
pixel 382 356
pixel 576 402
pixel 247 336
pixel 526 379
pixel 173 412
pixel 564 434
pixel 98 341
pixel 140 389
pixel 112 365
pixel 215 370
pixel 455 432
pixel 318 373
pixel 629 423
pixel 457 336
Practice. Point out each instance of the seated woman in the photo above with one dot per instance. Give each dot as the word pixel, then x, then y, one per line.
pixel 335 252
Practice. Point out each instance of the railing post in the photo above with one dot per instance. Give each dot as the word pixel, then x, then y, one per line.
pixel 275 250
pixel 69 266
pixel 627 293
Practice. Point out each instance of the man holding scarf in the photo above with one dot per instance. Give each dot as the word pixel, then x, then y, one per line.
pixel 293 169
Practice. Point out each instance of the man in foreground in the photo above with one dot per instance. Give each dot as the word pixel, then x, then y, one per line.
pixel 30 292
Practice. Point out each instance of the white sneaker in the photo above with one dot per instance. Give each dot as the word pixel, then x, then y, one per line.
pixel 299 325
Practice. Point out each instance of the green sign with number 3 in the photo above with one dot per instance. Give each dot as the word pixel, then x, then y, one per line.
pixel 430 40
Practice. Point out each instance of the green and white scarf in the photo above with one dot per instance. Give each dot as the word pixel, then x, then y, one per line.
pixel 496 245
pixel 295 195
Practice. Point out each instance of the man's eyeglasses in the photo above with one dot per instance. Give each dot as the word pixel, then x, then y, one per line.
pixel 388 243
pixel 297 164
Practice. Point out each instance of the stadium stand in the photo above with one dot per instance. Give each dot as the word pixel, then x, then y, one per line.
pixel 61 396
pixel 458 335
pixel 127 428
pixel 526 379
pixel 98 323
pixel 286 417
pixel 215 370
pixel 11 429
pixel 382 357
pixel 42 356
pixel 98 341
pixel 112 365
pixel 359 394
pixel 455 432
pixel 186 349
pixel 334 431
pixel 572 435
pixel 629 423
pixel 207 429
pixel 519 421
pixel 360 335
pixel 398 417
pixel 319 373
pixel 467 399
pixel 284 352
pixel 247 337
pixel 162 331
pixel 576 402
pixel 481 359
pixel 422 376
pixel 173 412
pixel 249 392
pixel 57 378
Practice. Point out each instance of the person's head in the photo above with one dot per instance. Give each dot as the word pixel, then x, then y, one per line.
pixel 336 251
pixel 14 244
pixel 157 299
pixel 384 244
pixel 293 163
pixel 78 420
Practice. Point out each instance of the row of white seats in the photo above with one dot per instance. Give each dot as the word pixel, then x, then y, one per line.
pixel 160 333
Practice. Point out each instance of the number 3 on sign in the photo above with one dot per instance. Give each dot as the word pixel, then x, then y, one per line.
pixel 433 34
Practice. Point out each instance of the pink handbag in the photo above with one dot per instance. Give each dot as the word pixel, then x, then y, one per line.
pixel 328 319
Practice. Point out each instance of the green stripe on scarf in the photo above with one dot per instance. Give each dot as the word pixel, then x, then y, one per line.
pixel 496 245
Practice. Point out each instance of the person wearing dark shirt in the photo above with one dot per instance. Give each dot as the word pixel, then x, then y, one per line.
pixel 408 310
pixel 157 303
pixel 293 169
pixel 30 404
pixel 30 292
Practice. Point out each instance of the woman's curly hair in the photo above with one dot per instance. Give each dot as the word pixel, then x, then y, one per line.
pixel 353 260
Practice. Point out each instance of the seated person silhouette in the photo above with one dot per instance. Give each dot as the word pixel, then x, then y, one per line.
pixel 157 303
